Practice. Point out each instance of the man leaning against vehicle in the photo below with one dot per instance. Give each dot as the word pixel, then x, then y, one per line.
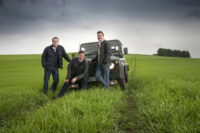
pixel 103 59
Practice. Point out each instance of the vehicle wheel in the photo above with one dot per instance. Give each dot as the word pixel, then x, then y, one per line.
pixel 122 83
pixel 126 75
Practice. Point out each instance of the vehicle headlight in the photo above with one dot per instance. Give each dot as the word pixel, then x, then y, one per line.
pixel 112 65
pixel 82 49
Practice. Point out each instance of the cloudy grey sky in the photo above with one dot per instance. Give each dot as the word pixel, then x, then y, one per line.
pixel 27 26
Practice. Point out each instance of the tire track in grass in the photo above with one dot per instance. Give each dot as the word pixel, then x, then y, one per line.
pixel 127 120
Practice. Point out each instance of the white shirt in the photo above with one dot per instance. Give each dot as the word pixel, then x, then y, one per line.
pixel 54 48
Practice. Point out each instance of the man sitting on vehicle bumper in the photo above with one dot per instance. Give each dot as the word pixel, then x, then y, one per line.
pixel 77 73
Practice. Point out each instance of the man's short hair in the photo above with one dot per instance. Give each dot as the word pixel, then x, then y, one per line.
pixel 54 38
pixel 100 32
pixel 81 52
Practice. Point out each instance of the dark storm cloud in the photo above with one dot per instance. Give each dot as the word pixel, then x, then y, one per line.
pixel 194 14
pixel 192 3
pixel 1 3
pixel 192 7
pixel 20 12
pixel 96 6
pixel 138 18
pixel 16 15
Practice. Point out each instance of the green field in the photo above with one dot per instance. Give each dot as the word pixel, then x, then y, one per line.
pixel 162 96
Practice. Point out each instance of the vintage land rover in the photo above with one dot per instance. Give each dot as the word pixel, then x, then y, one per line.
pixel 118 67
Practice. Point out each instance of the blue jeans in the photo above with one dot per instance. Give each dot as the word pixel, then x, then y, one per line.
pixel 103 74
pixel 47 74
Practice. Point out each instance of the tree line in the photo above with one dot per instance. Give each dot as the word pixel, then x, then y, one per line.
pixel 173 53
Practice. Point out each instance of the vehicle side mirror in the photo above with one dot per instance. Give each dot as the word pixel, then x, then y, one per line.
pixel 125 50
pixel 73 55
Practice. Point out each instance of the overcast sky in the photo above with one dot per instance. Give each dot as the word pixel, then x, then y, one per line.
pixel 27 26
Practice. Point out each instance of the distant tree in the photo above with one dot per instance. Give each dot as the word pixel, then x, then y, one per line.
pixel 160 52
pixel 188 54
pixel 173 53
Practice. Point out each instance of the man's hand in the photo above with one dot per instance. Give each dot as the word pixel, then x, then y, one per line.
pixel 67 80
pixel 74 80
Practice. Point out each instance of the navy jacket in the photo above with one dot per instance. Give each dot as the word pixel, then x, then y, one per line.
pixel 49 57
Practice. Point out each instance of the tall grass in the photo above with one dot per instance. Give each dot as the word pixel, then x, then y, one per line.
pixel 163 97
pixel 78 112
pixel 25 109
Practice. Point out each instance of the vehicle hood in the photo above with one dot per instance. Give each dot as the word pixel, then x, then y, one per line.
pixel 115 58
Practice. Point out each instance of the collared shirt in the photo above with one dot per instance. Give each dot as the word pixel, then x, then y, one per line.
pixel 54 49
pixel 101 41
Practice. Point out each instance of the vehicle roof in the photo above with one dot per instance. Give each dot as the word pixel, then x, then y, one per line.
pixel 106 40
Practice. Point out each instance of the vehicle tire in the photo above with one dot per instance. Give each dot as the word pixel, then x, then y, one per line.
pixel 122 83
pixel 126 75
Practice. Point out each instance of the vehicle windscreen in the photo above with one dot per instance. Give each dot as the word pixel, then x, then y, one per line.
pixel 92 48
pixel 116 48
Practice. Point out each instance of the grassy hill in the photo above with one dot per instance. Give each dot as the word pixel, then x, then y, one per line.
pixel 162 96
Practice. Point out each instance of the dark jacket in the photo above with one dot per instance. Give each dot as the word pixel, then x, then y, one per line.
pixel 105 53
pixel 49 58
pixel 77 69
